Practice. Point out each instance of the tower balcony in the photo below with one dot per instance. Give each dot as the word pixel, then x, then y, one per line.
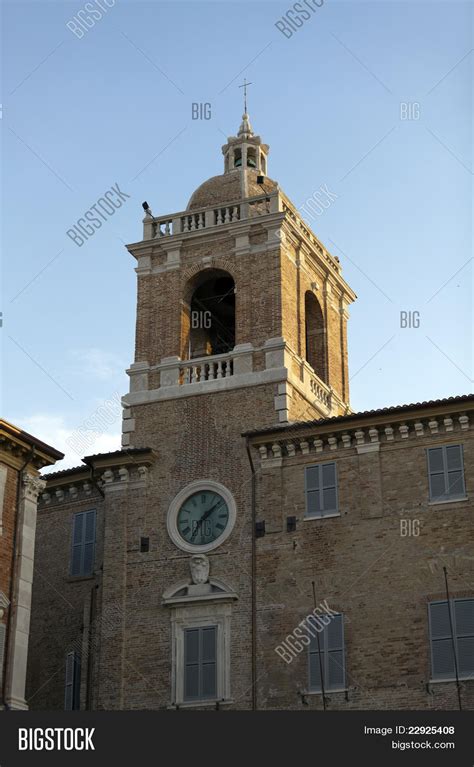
pixel 192 222
pixel 185 222
pixel 273 363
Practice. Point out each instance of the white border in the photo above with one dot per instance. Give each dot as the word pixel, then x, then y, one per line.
pixel 177 502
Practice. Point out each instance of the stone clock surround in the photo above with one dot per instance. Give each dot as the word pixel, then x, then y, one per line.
pixel 181 497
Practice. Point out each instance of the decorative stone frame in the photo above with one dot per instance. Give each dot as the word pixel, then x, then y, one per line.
pixel 198 616
pixel 178 500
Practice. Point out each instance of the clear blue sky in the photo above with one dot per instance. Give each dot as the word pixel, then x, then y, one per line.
pixel 82 114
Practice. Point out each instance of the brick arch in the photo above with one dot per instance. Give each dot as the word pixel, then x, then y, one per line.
pixel 208 312
pixel 214 263
pixel 315 335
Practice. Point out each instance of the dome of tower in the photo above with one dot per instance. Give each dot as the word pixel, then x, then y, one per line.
pixel 229 187
pixel 245 159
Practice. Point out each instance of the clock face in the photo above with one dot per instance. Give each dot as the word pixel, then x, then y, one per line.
pixel 202 518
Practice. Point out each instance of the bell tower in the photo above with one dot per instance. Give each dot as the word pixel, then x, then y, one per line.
pixel 245 150
pixel 236 293
pixel 241 325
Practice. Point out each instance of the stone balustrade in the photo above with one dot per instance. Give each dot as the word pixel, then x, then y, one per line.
pixel 206 369
pixel 320 390
pixel 295 217
pixel 186 222
pixel 193 221
pixel 174 377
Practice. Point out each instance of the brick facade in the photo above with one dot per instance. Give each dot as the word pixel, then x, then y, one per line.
pixel 379 563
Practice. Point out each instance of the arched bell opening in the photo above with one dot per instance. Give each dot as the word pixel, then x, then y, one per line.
pixel 208 320
pixel 251 158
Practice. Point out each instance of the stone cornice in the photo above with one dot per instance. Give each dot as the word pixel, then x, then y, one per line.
pixel 117 470
pixel 365 436
pixel 14 452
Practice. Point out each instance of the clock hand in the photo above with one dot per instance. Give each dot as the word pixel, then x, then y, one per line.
pixel 209 511
pixel 204 517
pixel 198 527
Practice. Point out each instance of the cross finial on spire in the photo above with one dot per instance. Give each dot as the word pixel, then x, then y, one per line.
pixel 245 86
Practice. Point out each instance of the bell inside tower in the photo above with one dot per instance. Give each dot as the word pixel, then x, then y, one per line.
pixel 212 316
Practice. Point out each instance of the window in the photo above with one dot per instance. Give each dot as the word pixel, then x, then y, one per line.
pixel 72 686
pixel 332 660
pixel 251 161
pixel 200 663
pixel 446 473
pixel 443 628
pixel 200 641
pixel 321 490
pixel 83 543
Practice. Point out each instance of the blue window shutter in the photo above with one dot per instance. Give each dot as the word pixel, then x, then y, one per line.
pixel 455 473
pixel 191 664
pixel 464 615
pixel 441 635
pixel 329 488
pixel 332 649
pixel 312 478
pixel 335 653
pixel 446 472
pixel 464 621
pixel 209 662
pixel 200 663
pixel 83 543
pixel 321 489
pixel 77 536
pixel 436 473
pixel 89 543
pixel 315 663
pixel 442 656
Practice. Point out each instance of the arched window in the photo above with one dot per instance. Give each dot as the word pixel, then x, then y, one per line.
pixel 251 158
pixel 315 335
pixel 208 321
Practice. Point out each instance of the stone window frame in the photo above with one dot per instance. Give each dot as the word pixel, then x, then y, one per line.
pixel 201 616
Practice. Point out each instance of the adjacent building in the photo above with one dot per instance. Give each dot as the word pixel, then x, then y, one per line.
pixel 22 456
